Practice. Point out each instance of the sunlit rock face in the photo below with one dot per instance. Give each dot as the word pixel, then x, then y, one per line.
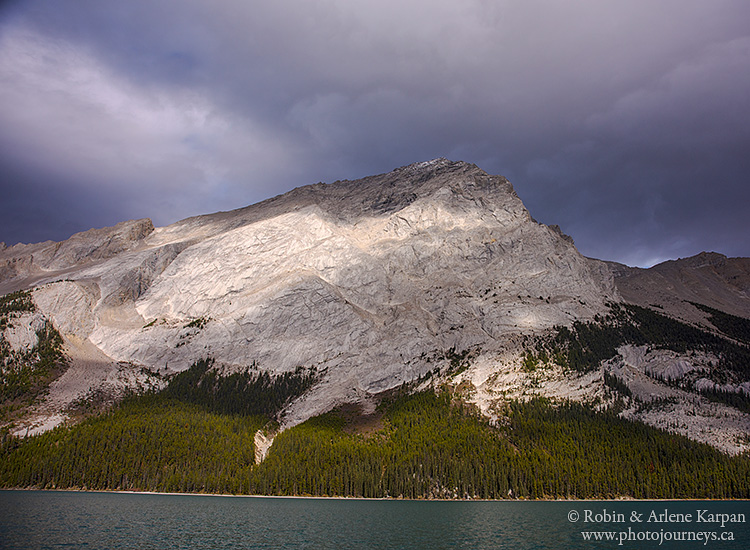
pixel 370 281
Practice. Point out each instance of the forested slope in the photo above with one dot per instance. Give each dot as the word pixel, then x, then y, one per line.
pixel 426 445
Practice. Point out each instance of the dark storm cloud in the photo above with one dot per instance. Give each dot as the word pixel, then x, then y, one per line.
pixel 625 123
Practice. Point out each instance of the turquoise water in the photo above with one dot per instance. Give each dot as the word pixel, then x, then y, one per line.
pixel 66 519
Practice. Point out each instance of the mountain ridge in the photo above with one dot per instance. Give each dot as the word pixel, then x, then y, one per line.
pixel 708 277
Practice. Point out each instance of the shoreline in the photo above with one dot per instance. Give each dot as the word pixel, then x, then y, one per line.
pixel 385 499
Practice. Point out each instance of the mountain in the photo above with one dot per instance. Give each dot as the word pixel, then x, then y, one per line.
pixel 708 278
pixel 432 274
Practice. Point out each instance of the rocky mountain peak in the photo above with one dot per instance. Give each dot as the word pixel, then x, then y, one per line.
pixel 434 267
pixel 704 259
pixel 397 189
pixel 371 281
pixel 440 164
pixel 347 201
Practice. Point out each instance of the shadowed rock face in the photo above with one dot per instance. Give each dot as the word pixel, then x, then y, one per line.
pixel 24 264
pixel 373 280
pixel 708 278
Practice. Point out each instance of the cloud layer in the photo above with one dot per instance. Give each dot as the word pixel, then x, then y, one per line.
pixel 624 123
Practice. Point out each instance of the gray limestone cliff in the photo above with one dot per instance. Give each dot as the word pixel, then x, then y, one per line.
pixel 374 282
pixel 369 280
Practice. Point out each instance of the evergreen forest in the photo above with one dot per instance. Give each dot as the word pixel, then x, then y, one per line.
pixel 423 445
pixel 198 433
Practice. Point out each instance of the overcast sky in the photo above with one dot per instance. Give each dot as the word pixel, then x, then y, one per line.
pixel 626 123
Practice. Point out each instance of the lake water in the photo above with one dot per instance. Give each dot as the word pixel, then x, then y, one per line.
pixel 67 519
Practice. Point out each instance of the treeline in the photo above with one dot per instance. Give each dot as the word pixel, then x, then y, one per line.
pixel 615 383
pixel 147 444
pixel 247 392
pixel 737 399
pixel 435 448
pixel 195 435
pixel 584 346
pixel 15 302
pixel 731 325
pixel 429 446
pixel 581 453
